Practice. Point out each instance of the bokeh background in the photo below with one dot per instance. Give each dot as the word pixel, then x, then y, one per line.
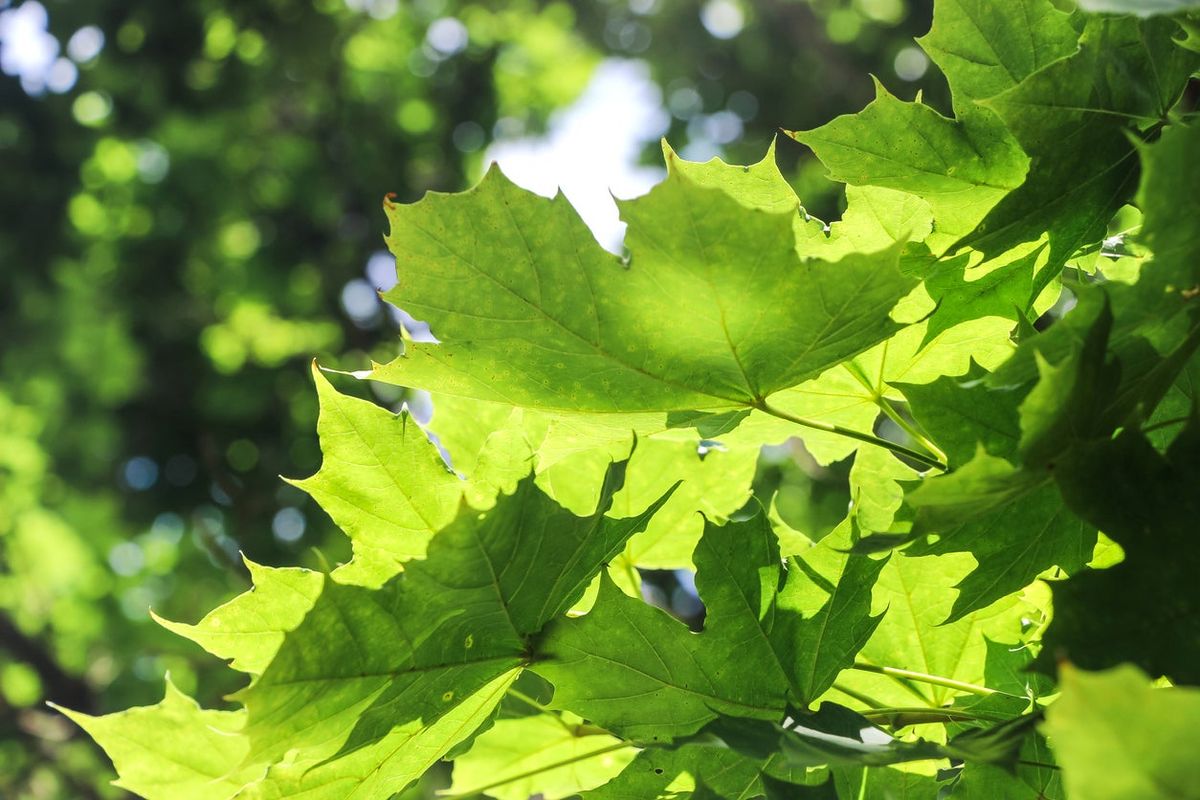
pixel 190 200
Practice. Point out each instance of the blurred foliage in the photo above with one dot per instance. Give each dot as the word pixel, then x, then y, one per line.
pixel 191 201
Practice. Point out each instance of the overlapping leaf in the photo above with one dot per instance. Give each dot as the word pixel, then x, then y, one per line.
pixel 366 661
pixel 1075 119
pixel 375 684
pixel 799 628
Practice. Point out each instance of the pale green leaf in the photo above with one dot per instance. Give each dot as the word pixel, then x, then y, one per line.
pixel 961 168
pixel 249 629
pixel 544 755
pixel 916 596
pixel 1118 738
pixel 383 767
pixel 381 480
pixel 174 750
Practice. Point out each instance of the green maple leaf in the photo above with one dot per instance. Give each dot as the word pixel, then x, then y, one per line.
pixel 453 623
pixel 1015 527
pixel 987 48
pixel 1105 366
pixel 961 168
pixel 714 485
pixel 916 596
pixel 1009 518
pixel 1173 411
pixel 801 627
pixel 961 414
pixel 1118 737
pixel 530 311
pixel 1035 776
pixel 883 783
pixel 675 774
pixel 569 456
pixel 173 750
pixel 544 754
pixel 249 629
pixel 384 765
pixel 374 685
pixel 389 511
pixel 595 414
pixel 1075 118
pixel 634 670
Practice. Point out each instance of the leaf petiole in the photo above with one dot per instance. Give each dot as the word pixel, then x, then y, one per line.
pixel 900 717
pixel 934 680
pixel 816 424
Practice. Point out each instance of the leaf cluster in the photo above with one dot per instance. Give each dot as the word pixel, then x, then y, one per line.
pixel 1017 400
